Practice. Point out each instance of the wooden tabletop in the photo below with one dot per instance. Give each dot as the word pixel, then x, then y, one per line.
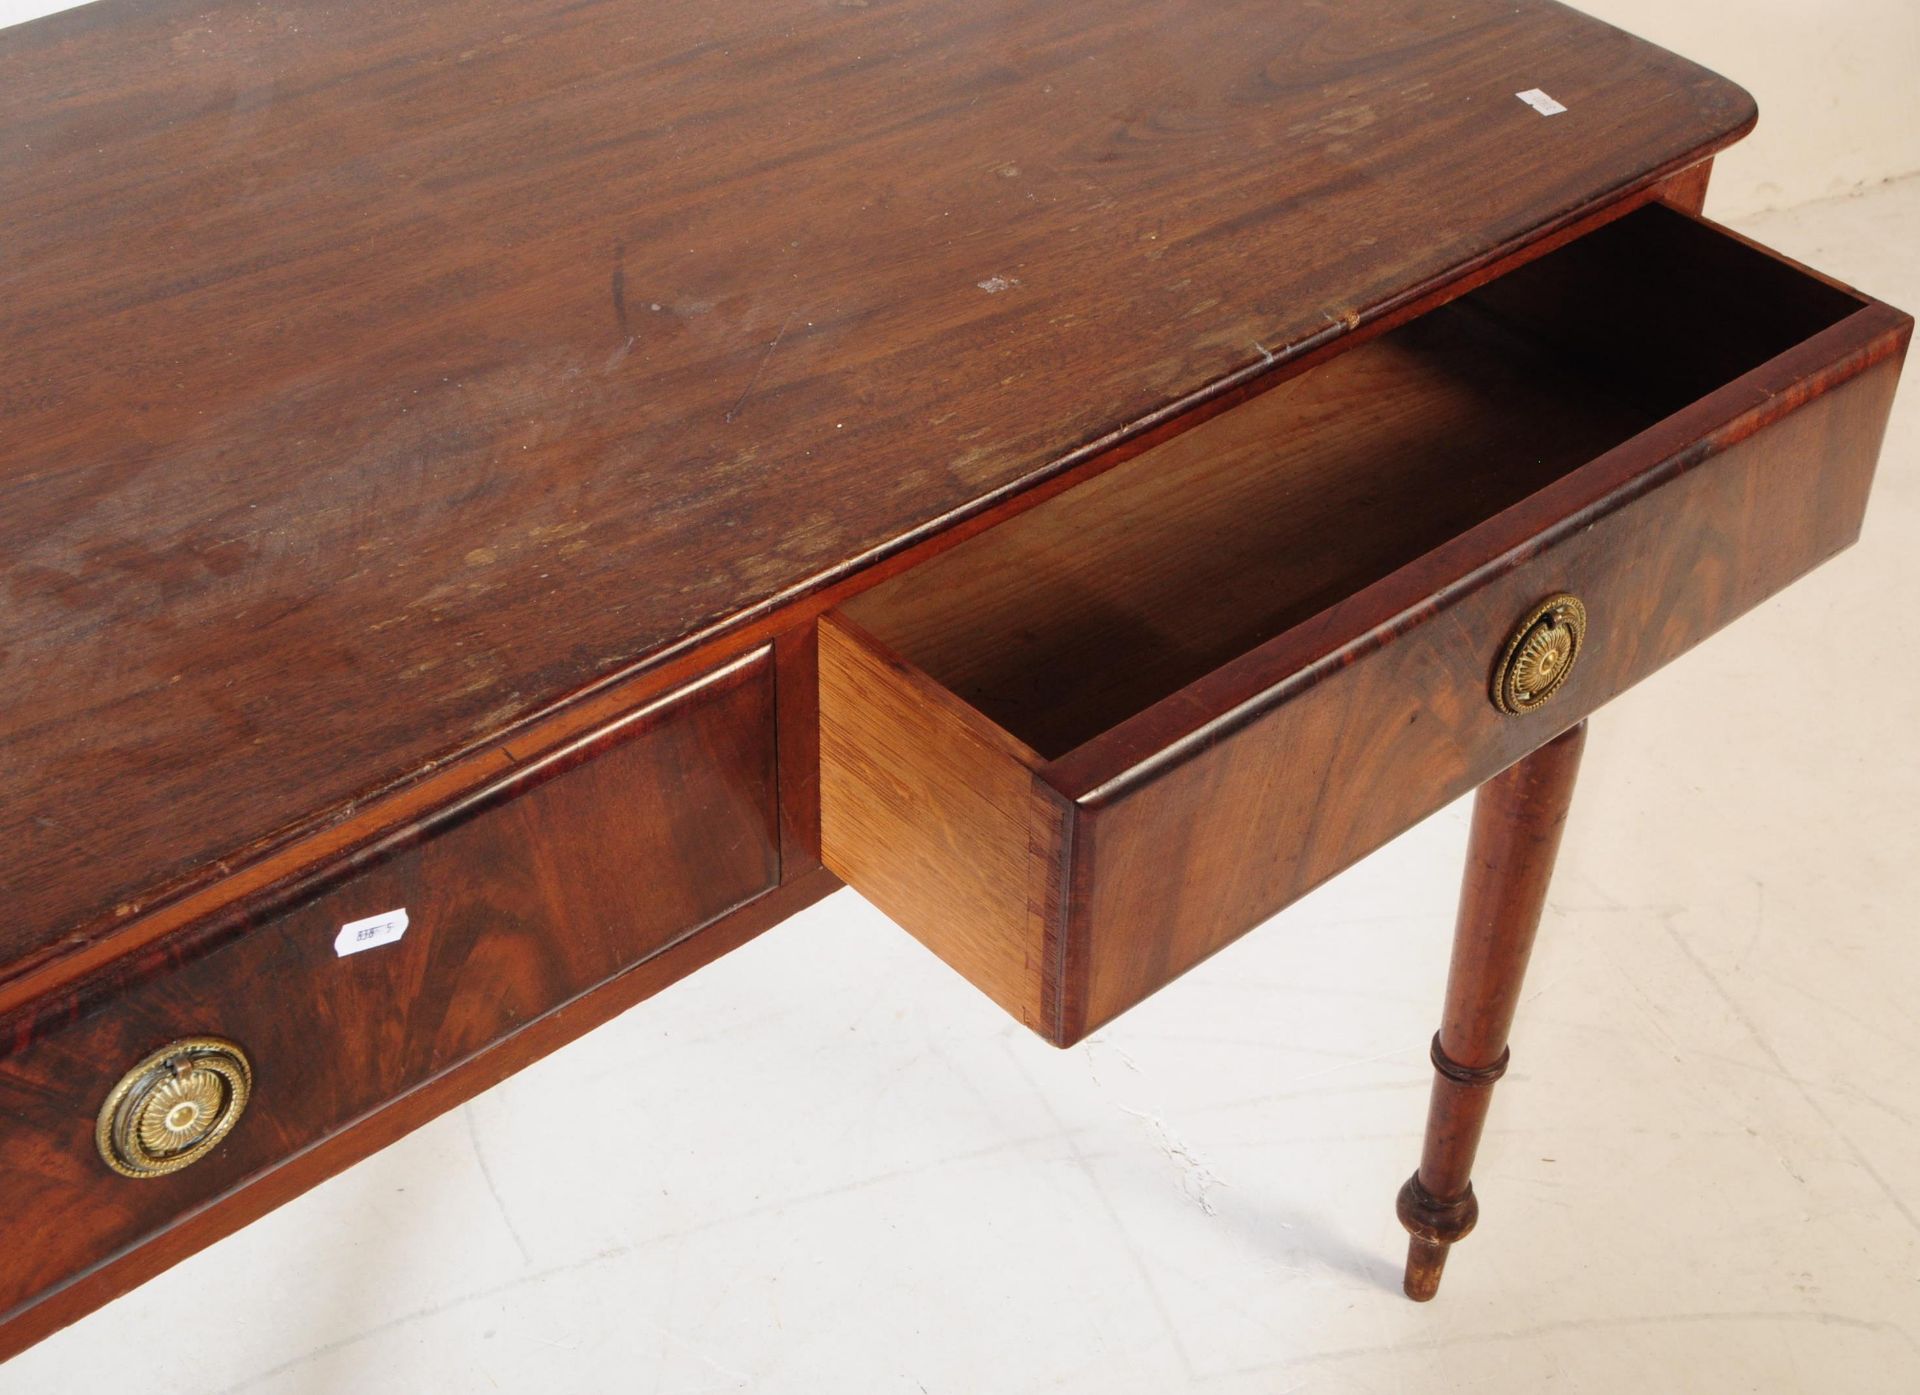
pixel 371 374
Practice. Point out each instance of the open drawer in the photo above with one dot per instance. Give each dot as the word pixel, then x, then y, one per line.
pixel 1081 751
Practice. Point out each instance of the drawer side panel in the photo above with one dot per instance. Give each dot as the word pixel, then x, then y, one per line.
pixel 935 817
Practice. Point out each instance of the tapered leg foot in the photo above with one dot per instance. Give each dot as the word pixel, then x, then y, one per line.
pixel 1433 1226
pixel 1425 1261
pixel 1517 819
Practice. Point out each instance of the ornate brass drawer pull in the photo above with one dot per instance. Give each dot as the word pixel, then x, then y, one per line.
pixel 1540 654
pixel 174 1107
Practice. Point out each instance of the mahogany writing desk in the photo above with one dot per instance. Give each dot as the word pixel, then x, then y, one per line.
pixel 502 504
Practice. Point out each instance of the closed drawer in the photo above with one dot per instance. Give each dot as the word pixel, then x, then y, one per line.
pixel 552 880
pixel 1082 751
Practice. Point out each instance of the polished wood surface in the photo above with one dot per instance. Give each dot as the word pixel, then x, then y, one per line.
pixel 373 378
pixel 428 437
pixel 1518 817
pixel 526 1043
pixel 566 873
pixel 1742 456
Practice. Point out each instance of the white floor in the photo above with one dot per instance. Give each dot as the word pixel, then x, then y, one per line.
pixel 827 1165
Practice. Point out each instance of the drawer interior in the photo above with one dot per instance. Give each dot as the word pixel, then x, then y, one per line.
pixel 1085 610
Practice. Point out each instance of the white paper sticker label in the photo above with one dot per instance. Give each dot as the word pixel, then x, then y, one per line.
pixel 1540 102
pixel 371 933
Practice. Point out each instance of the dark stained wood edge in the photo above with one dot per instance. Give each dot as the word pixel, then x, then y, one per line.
pixel 197 1229
pixel 1050 902
pixel 1063 950
pixel 1113 763
pixel 302 849
pixel 76 997
pixel 1070 1026
pixel 796 659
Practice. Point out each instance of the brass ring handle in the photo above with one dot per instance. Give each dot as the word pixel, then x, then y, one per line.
pixel 1540 654
pixel 174 1107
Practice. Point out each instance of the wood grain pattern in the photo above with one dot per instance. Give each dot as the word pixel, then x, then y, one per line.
pixel 372 378
pixel 1355 750
pixel 1059 624
pixel 1215 806
pixel 194 1231
pixel 565 874
pixel 936 815
pixel 1518 817
pixel 1063 622
pixel 394 403
pixel 231 890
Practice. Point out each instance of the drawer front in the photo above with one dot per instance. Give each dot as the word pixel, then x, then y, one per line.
pixel 550 882
pixel 1081 751
pixel 1198 843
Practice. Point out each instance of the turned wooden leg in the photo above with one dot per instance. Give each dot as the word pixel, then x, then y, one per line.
pixel 1517 818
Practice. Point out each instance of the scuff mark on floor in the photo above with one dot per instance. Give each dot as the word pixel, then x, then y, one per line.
pixel 1196 1178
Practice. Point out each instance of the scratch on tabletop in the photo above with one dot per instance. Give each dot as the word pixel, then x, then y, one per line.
pixel 754 381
